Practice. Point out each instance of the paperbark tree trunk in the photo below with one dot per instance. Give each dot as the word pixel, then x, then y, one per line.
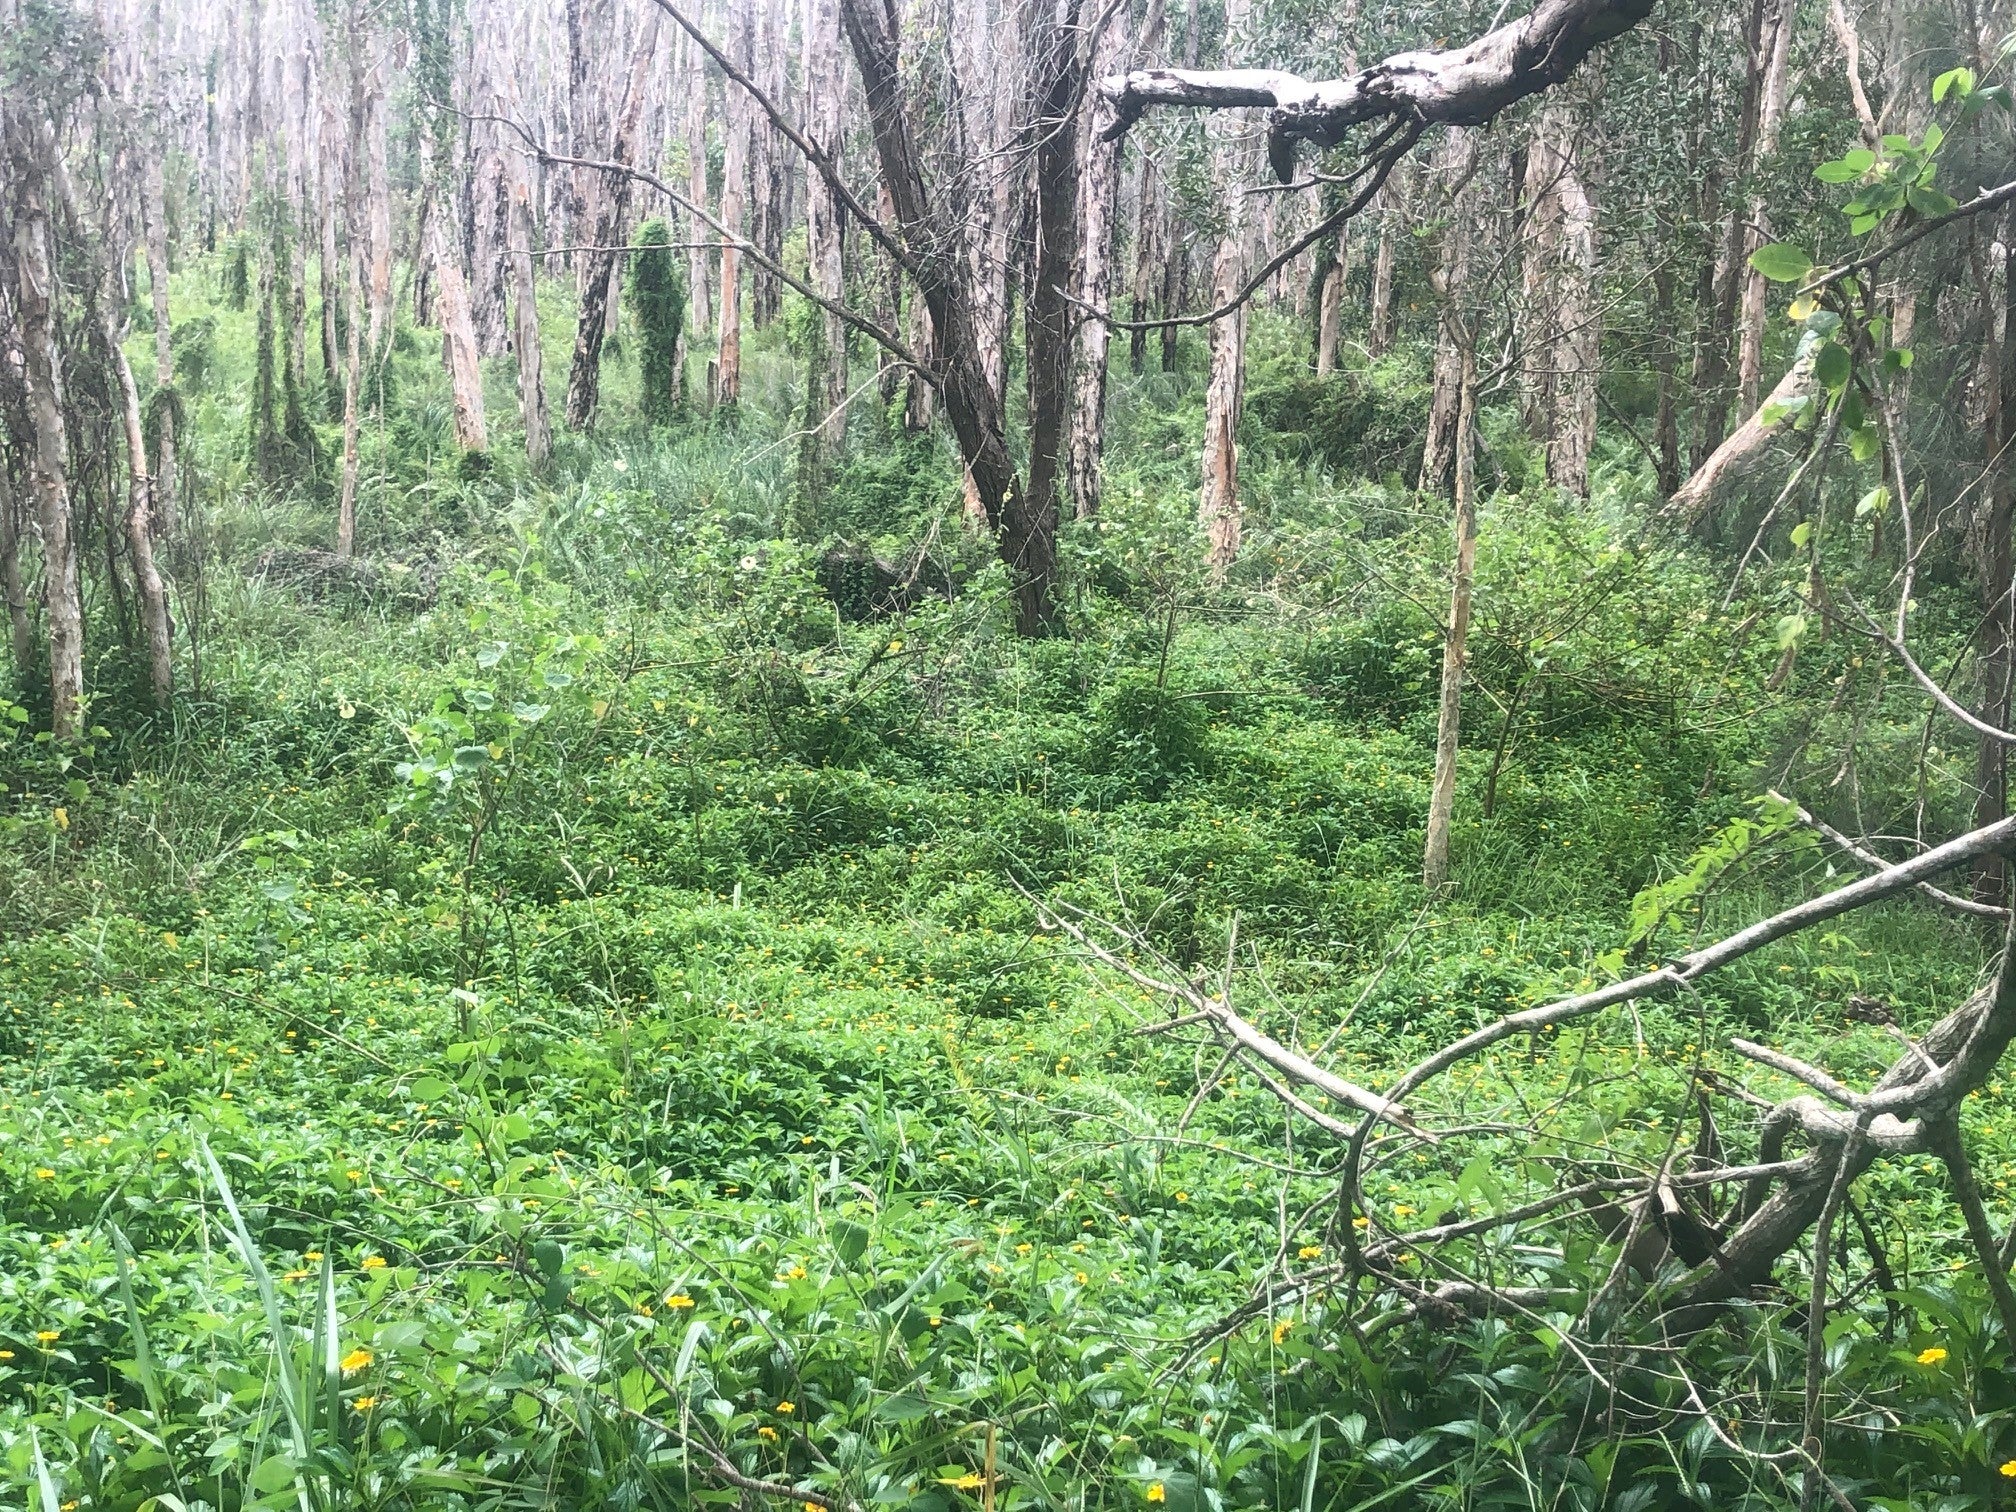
pixel 1218 505
pixel 1560 323
pixel 1770 116
pixel 825 423
pixel 525 339
pixel 1450 278
pixel 13 588
pixel 331 179
pixel 1379 318
pixel 154 222
pixel 590 36
pixel 1456 636
pixel 598 263
pixel 368 223
pixel 1995 641
pixel 32 151
pixel 699 261
pixel 734 212
pixel 152 592
pixel 458 339
pixel 1099 188
pixel 1330 305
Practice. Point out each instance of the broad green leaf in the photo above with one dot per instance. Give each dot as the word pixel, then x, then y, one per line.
pixel 1832 365
pixel 1960 79
pixel 1873 502
pixel 1801 534
pixel 1781 262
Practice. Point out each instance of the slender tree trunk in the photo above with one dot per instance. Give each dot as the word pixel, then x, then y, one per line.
pixel 826 368
pixel 33 157
pixel 1379 327
pixel 1560 324
pixel 1456 642
pixel 699 263
pixel 734 213
pixel 458 340
pixel 154 220
pixel 1770 115
pixel 1048 310
pixel 1666 359
pixel 332 179
pixel 598 265
pixel 1995 641
pixel 525 312
pixel 1218 507
pixel 153 594
pixel 1099 186
pixel 1330 305
pixel 1450 277
pixel 368 222
pixel 13 588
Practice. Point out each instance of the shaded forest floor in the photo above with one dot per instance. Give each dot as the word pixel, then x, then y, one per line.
pixel 613 990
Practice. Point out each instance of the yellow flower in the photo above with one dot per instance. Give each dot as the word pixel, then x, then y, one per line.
pixel 311 1254
pixel 1931 1356
pixel 48 1335
pixel 967 1482
pixel 6 1354
pixel 1180 1197
pixel 1082 1277
pixel 1310 1252
pixel 43 1173
pixel 794 1273
pixel 677 1300
pixel 934 1322
pixel 1281 1329
pixel 1157 1492
pixel 374 1262
pixel 787 1408
pixel 296 1275
pixel 364 1404
pixel 767 1433
pixel 355 1361
pixel 1023 1249
pixel 2009 1468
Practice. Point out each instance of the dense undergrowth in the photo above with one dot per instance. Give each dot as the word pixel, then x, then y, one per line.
pixel 464 1042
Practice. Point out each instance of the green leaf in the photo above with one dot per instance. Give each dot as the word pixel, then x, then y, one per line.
pixel 1781 262
pixel 850 1241
pixel 1832 365
pixel 1801 534
pixel 1836 172
pixel 1873 502
pixel 1961 79
pixel 1791 630
pixel 1931 202
pixel 1933 137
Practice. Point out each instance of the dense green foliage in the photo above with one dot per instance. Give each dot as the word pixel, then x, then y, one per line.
pixel 608 991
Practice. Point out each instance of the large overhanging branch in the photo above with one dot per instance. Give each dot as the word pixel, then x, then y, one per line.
pixel 1464 87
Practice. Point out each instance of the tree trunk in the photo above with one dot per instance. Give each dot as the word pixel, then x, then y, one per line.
pixel 154 222
pixel 1560 325
pixel 598 262
pixel 699 262
pixel 1666 359
pixel 33 153
pixel 1048 309
pixel 1450 277
pixel 13 587
pixel 734 212
pixel 1770 115
pixel 590 39
pixel 1218 501
pixel 525 340
pixel 1330 304
pixel 331 180
pixel 825 223
pixel 1995 641
pixel 1379 326
pixel 1099 184
pixel 1456 639
pixel 152 592
pixel 458 339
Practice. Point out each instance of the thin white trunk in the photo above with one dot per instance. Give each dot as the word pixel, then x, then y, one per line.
pixel 1456 641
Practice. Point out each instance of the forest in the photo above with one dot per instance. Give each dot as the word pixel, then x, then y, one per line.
pixel 976 755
